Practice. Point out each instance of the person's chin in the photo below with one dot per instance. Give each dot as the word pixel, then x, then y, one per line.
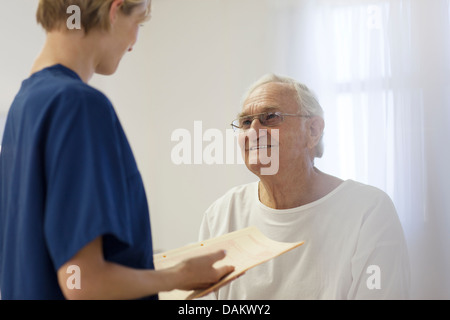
pixel 107 69
pixel 254 168
pixel 261 164
pixel 260 170
pixel 253 163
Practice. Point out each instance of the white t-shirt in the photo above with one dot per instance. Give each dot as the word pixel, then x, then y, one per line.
pixel 354 245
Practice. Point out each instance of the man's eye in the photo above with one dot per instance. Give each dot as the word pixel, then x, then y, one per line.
pixel 271 116
pixel 271 119
pixel 246 123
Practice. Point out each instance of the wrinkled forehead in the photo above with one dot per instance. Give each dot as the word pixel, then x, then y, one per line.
pixel 273 96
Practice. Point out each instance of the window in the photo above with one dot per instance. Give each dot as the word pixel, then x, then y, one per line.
pixel 381 70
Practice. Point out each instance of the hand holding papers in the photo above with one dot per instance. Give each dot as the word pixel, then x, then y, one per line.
pixel 245 249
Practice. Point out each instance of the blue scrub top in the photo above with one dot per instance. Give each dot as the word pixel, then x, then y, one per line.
pixel 67 176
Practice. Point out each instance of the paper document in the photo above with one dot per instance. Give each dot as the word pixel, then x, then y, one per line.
pixel 245 249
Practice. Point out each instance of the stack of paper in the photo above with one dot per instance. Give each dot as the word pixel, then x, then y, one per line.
pixel 245 249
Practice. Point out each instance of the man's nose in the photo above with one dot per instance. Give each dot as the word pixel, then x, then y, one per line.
pixel 256 124
pixel 257 130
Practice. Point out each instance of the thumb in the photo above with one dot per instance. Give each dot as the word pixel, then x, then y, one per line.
pixel 225 270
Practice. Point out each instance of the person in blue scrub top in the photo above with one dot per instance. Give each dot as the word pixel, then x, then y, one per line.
pixel 74 219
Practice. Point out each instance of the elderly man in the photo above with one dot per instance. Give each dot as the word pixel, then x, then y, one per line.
pixel 354 243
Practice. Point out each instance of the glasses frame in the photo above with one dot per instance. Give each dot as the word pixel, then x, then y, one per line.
pixel 260 117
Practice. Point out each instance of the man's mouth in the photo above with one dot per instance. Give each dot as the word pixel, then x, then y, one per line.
pixel 259 147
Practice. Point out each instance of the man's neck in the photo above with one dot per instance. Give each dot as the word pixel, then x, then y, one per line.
pixel 72 50
pixel 295 190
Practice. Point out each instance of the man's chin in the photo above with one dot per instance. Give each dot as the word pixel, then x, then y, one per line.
pixel 262 169
pixel 262 161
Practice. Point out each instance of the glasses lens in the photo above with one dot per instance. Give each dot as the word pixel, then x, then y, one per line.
pixel 235 125
pixel 245 122
pixel 270 119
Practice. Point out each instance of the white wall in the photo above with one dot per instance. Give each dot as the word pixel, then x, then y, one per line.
pixel 21 41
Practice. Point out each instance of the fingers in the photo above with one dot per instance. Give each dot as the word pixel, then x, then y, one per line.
pixel 218 272
pixel 199 272
pixel 216 256
pixel 224 270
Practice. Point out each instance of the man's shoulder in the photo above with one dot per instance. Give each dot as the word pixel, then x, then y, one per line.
pixel 240 191
pixel 230 211
pixel 360 190
pixel 236 195
pixel 368 200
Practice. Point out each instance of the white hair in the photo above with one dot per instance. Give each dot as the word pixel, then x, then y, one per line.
pixel 307 100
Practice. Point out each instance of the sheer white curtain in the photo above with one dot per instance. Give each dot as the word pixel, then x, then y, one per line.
pixel 381 70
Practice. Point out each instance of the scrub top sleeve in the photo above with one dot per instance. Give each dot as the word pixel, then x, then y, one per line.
pixel 86 179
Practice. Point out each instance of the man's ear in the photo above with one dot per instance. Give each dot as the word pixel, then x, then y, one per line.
pixel 114 10
pixel 316 127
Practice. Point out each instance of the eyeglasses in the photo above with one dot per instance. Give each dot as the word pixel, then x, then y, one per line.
pixel 267 119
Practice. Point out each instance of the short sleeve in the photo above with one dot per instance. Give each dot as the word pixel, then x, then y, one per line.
pixel 380 265
pixel 86 179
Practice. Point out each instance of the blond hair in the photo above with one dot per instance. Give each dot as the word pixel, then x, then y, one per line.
pixel 52 14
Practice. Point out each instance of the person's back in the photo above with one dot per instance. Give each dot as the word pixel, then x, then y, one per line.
pixel 22 195
pixel 54 146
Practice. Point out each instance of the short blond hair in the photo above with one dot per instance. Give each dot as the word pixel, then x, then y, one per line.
pixel 52 14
